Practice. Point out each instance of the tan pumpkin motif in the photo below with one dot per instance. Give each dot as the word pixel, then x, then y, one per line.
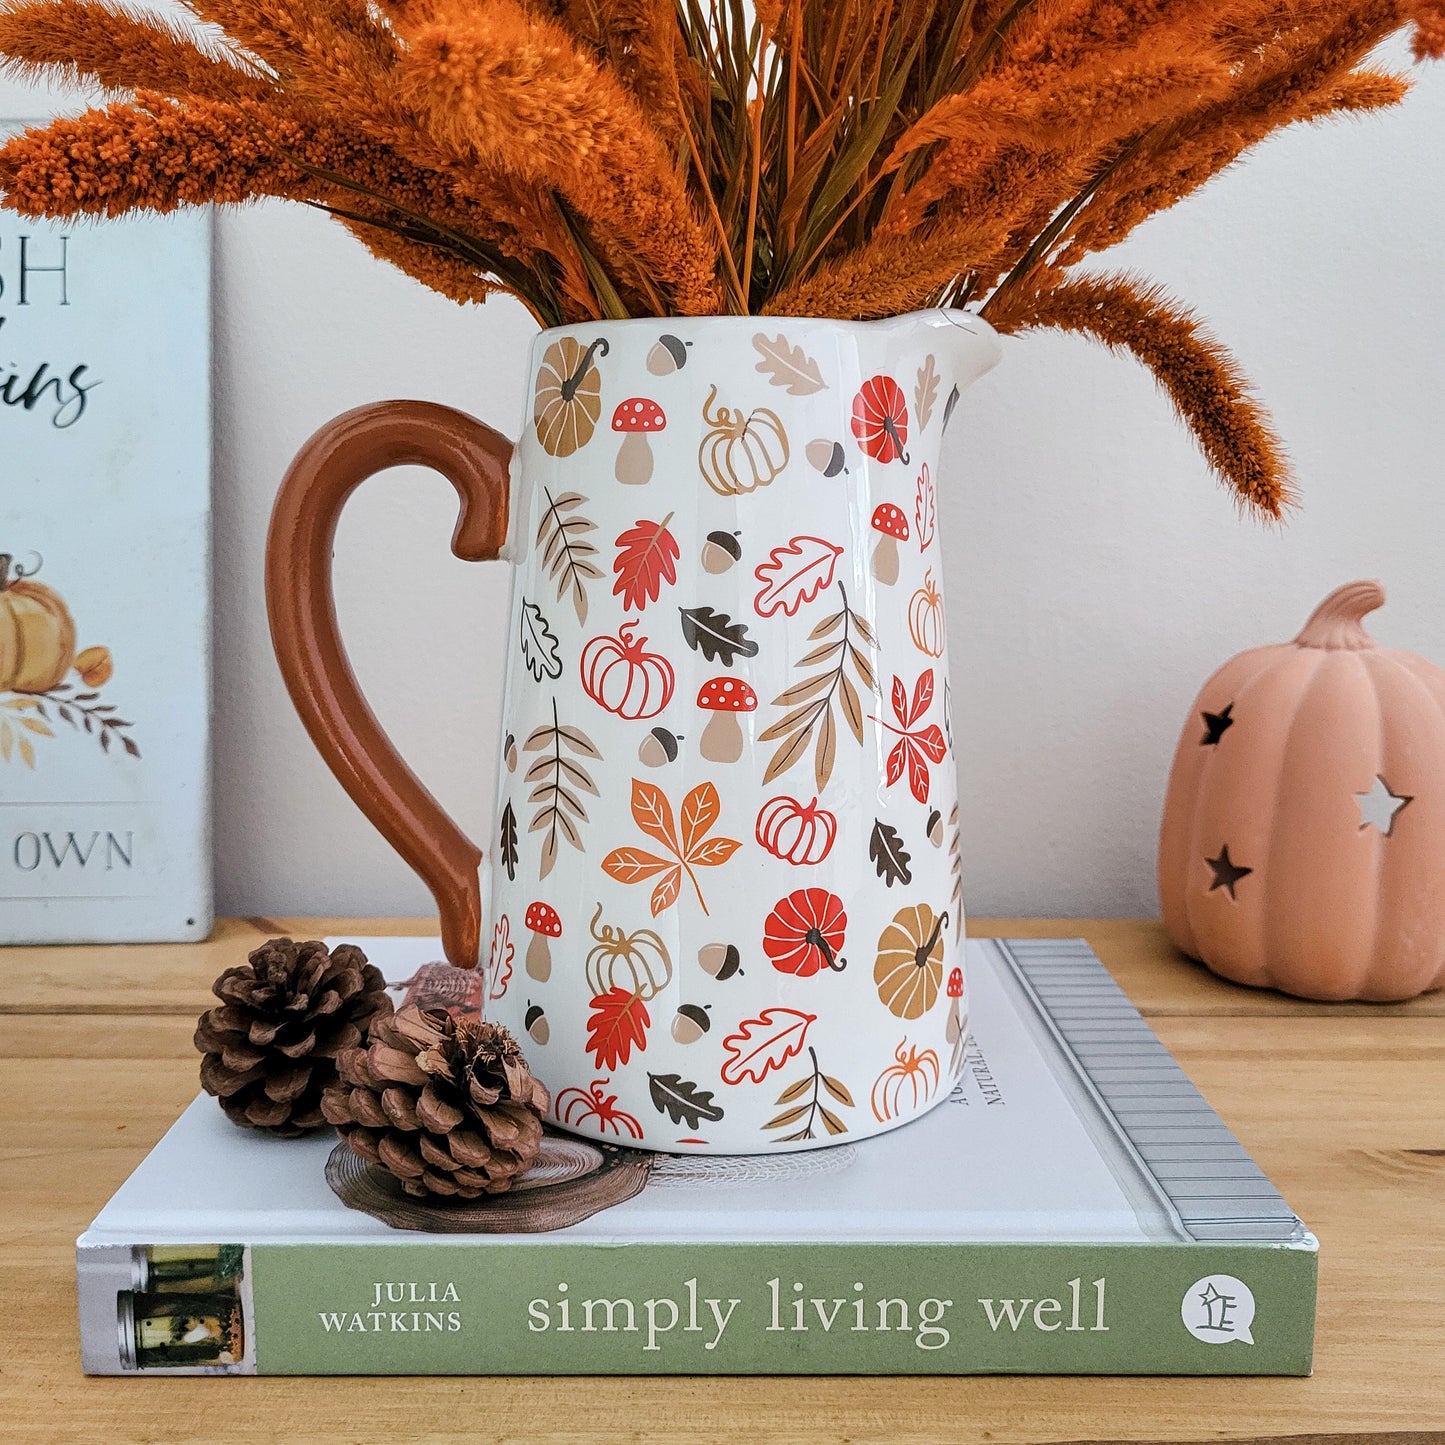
pixel 621 675
pixel 925 618
pixel 796 832
pixel 740 451
pixel 909 968
pixel 568 399
pixel 906 1085
pixel 638 961
pixel 37 633
pixel 1303 841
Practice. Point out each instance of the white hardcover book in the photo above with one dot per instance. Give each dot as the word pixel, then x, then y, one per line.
pixel 105 580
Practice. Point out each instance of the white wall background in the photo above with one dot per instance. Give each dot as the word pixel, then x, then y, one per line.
pixel 1096 575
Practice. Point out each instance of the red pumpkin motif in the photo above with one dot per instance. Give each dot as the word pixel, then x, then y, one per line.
pixel 795 833
pixel 804 933
pixel 621 675
pixel 595 1110
pixel 880 419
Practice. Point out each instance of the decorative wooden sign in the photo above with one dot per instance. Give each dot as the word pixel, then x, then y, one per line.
pixel 105 611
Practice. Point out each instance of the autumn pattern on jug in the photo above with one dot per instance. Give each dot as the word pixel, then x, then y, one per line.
pixel 724 876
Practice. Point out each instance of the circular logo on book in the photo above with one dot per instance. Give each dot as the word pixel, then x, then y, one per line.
pixel 1218 1308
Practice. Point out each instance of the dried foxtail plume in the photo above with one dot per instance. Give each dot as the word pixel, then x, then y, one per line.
pixel 1205 383
pixel 611 158
pixel 80 41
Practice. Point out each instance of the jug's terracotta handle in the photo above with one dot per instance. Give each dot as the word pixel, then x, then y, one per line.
pixel 302 608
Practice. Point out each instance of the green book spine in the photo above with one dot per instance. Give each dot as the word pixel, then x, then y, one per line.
pixel 1227 1309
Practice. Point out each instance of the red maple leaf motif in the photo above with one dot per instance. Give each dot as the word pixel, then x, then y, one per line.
pixel 916 747
pixel 619 1019
pixel 647 556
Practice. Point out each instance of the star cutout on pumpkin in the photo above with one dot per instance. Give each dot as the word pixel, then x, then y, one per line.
pixel 1216 724
pixel 1380 805
pixel 1226 871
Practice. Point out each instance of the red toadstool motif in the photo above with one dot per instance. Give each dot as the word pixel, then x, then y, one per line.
pixel 545 924
pixel 636 418
pixel 725 697
pixel 892 527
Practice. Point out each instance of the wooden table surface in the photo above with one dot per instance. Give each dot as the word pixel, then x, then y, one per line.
pixel 1343 1106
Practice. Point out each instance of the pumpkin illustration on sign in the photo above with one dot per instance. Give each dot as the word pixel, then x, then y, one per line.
pixel 796 833
pixel 568 399
pixel 622 676
pixel 803 935
pixel 909 968
pixel 37 632
pixel 741 451
pixel 880 419
pixel 37 650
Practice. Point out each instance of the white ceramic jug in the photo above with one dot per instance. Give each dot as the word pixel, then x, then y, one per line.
pixel 725 910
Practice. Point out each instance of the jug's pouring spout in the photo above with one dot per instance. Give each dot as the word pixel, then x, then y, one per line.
pixel 966 344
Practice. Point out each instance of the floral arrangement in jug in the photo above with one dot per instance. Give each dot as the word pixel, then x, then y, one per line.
pixel 612 158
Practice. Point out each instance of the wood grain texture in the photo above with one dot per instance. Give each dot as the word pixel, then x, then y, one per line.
pixel 1341 1106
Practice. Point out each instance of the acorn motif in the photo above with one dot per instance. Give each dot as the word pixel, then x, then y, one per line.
pixel 827 456
pixel 537 1025
pixel 509 752
pixel 668 354
pixel 658 748
pixel 720 960
pixel 690 1023
pixel 935 828
pixel 720 551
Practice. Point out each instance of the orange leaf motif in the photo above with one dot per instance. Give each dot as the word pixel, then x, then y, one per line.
pixel 764 1044
pixel 652 812
pixel 700 810
pixel 619 1020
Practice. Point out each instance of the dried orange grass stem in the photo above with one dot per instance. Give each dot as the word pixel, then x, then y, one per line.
pixel 607 158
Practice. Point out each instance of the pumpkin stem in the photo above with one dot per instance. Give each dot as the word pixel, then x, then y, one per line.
pixel 5 560
pixel 1336 624
pixel 571 383
pixel 920 954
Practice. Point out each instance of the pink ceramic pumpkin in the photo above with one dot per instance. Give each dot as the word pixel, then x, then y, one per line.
pixel 1303 844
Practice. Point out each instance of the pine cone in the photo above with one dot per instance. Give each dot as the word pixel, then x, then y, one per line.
pixel 447 1104
pixel 270 1048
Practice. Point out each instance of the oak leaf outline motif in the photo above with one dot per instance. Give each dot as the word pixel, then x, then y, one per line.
pixel 764 1043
